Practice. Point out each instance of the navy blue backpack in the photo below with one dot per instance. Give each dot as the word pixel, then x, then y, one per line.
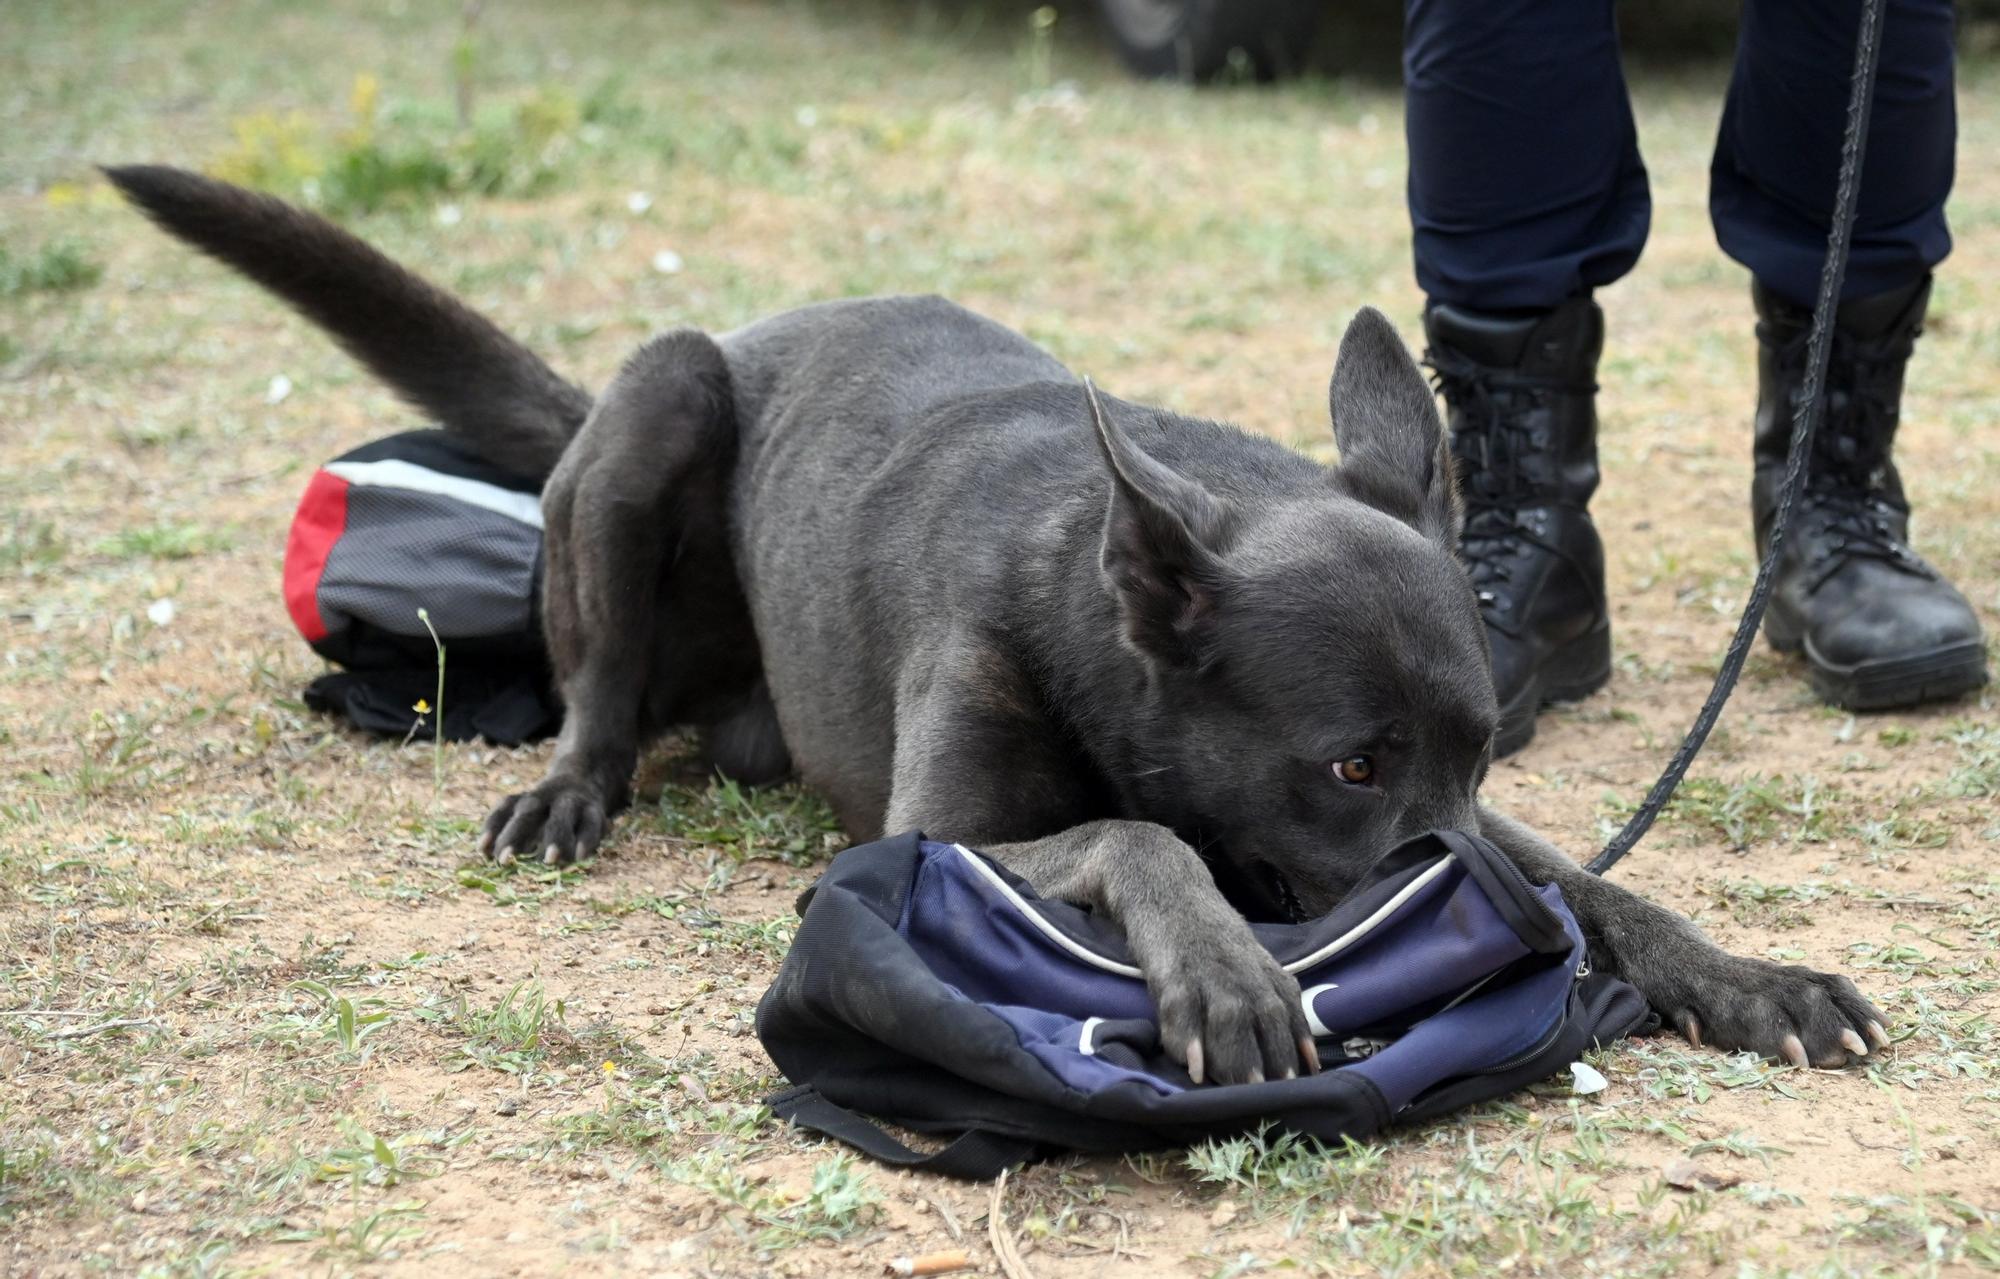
pixel 930 988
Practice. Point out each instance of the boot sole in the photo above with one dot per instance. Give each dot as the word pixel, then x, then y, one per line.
pixel 1572 673
pixel 1933 675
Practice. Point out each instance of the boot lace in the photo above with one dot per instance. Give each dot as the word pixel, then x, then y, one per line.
pixel 1492 438
pixel 1846 498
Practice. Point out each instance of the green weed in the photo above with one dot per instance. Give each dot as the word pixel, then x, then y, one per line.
pixel 60 267
pixel 514 1036
pixel 1285 1169
pixel 415 152
pixel 526 884
pixel 25 1168
pixel 366 1160
pixel 334 1018
pixel 27 546
pixel 839 1202
pixel 374 1236
pixel 1978 771
pixel 1752 810
pixel 169 540
pixel 789 823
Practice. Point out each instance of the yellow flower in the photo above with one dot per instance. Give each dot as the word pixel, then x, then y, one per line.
pixel 361 99
pixel 610 1067
pixel 422 707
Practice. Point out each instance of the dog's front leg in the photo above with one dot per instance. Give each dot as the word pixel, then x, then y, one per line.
pixel 1226 1008
pixel 978 763
pixel 1710 996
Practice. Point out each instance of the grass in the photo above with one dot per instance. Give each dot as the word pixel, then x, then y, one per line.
pixel 344 1022
pixel 360 1045
pixel 168 540
pixel 790 823
pixel 60 267
pixel 515 1036
pixel 839 1201
pixel 412 154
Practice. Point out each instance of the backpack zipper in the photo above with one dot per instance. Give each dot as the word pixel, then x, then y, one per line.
pixel 1548 1037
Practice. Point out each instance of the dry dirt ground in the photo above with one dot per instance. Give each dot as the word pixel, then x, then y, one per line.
pixel 261 1010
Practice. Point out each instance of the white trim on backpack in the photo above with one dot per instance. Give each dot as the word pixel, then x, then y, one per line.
pixel 1048 930
pixel 1095 960
pixel 1319 1028
pixel 1084 1043
pixel 394 473
pixel 1382 912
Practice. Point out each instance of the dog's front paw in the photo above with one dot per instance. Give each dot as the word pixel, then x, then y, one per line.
pixel 1232 1015
pixel 561 820
pixel 1781 1011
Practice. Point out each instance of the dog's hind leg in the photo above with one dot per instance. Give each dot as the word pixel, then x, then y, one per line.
pixel 631 523
pixel 746 745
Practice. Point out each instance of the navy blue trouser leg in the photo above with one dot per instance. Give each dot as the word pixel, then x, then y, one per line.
pixel 1526 186
pixel 1777 155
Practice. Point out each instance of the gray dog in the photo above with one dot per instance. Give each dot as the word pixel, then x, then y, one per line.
pixel 1158 666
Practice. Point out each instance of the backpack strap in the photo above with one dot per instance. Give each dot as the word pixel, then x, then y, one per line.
pixel 974 1155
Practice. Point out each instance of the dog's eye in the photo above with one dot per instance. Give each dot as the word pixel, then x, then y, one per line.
pixel 1356 770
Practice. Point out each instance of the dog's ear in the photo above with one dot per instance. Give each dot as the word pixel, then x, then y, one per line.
pixel 1160 552
pixel 1393 452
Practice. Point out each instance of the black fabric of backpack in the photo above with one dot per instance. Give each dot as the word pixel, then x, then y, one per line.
pixel 416 521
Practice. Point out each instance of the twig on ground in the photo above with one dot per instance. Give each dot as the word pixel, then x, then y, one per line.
pixel 122 1023
pixel 1002 1238
pixel 947 1216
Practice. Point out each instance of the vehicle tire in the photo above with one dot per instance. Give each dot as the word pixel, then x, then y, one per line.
pixel 1192 40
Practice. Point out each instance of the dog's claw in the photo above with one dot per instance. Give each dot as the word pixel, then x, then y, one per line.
pixel 1194 1060
pixel 505 856
pixel 1879 1035
pixel 1691 1027
pixel 1853 1043
pixel 551 855
pixel 1795 1052
pixel 1309 1053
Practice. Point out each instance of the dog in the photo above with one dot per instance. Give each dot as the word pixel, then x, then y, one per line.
pixel 1160 667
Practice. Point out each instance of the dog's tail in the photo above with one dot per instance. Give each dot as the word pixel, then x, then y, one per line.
pixel 443 357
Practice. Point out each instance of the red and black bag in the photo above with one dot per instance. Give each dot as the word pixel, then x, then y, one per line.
pixel 415 521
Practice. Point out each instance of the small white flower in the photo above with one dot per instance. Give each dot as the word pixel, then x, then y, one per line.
pixel 281 386
pixel 668 262
pixel 160 612
pixel 638 202
pixel 450 215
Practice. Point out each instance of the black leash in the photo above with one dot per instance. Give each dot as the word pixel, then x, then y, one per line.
pixel 1805 419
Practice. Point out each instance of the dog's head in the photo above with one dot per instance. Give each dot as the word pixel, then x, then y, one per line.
pixel 1318 684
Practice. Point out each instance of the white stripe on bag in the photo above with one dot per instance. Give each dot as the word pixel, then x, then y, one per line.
pixel 1095 960
pixel 395 473
pixel 1306 998
pixel 1083 1043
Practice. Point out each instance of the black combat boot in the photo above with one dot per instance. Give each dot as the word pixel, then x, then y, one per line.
pixel 1878 626
pixel 1521 392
